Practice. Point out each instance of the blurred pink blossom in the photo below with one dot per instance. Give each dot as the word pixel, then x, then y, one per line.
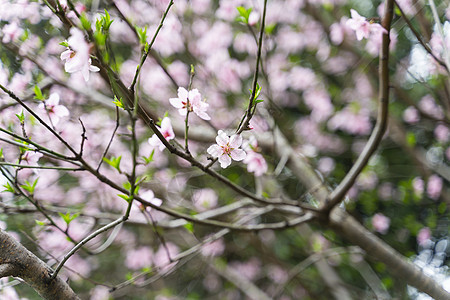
pixel 54 110
pixel 196 104
pixel 418 186
pixel 139 258
pixel 250 269
pixel 442 133
pixel 428 105
pixel 255 163
pixel 11 32
pixel 205 199
pixel 423 236
pixel 99 293
pixel 214 248
pixel 166 131
pixel 362 27
pixel 411 115
pixel 227 148
pixel 381 223
pixel 326 165
pixel 77 56
pixel 31 158
pixel 434 186
pixel 253 18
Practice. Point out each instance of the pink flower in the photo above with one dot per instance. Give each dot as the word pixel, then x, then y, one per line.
pixel 139 258
pixel 11 32
pixel 424 235
pixel 166 131
pixel 434 186
pixel 381 223
pixel 196 104
pixel 31 158
pixel 227 149
pixel 362 27
pixel 204 199
pixel 54 110
pixel 77 56
pixel 255 161
pixel 214 248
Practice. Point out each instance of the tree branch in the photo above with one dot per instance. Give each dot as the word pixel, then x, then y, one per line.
pixel 17 261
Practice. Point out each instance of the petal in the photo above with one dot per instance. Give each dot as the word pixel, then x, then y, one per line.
pixel 235 141
pixel 61 111
pixel 93 68
pixel 214 150
pixel 222 138
pixel 238 154
pixel 66 54
pixel 203 115
pixel 195 96
pixel 182 93
pixel 224 160
pixel 176 102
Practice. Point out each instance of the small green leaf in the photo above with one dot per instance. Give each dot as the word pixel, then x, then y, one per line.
pixel 189 226
pixel 142 33
pixel 149 159
pixel 125 197
pixel 114 162
pixel 146 47
pixel 85 22
pixel 118 102
pixel 38 92
pixel 40 223
pixel 8 188
pixel 30 187
pixel 270 28
pixel 243 14
pixel 68 217
pixel 411 139
pixel 65 44
pixel 259 101
pixel 21 117
pixel 1 153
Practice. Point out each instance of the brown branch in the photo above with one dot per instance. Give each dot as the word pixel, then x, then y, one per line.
pixel 377 134
pixel 17 261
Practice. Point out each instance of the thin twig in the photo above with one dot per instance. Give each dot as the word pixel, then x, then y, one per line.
pixel 250 110
pixel 144 57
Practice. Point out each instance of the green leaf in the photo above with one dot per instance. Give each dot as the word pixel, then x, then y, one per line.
pixel 40 223
pixel 270 28
pixel 85 22
pixel 1 153
pixel 107 21
pixel 38 92
pixel 125 197
pixel 119 102
pixel 30 187
pixel 189 226
pixel 411 139
pixel 65 44
pixel 8 188
pixel 142 33
pixel 114 162
pixel 21 117
pixel 68 217
pixel 149 159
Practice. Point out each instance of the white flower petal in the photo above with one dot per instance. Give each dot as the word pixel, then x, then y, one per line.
pixel 238 154
pixel 222 138
pixel 235 141
pixel 224 160
pixel 214 150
